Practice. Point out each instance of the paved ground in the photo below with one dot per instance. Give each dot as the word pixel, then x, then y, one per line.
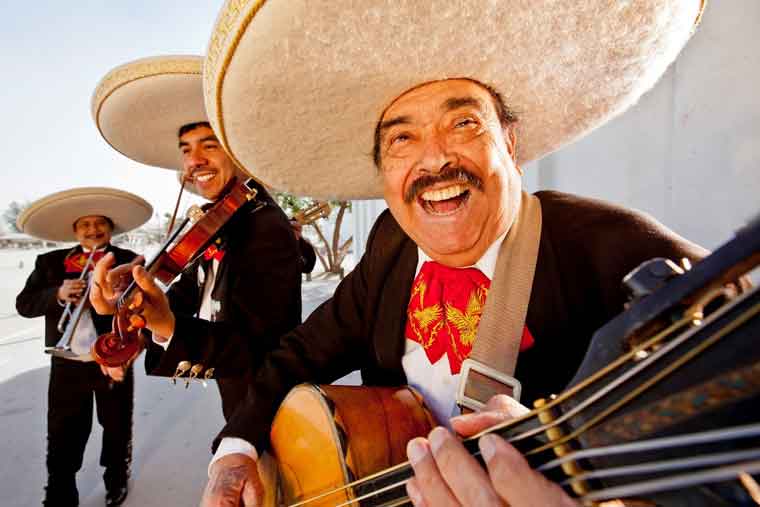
pixel 173 426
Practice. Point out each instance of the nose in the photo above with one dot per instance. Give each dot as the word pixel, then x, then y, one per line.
pixel 194 158
pixel 434 156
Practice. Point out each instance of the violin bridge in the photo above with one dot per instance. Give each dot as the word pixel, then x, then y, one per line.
pixel 554 433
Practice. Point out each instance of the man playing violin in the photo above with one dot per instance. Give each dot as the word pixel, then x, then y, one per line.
pixel 75 379
pixel 229 306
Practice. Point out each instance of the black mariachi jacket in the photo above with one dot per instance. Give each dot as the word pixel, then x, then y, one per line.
pixel 39 295
pixel 257 297
pixel 586 248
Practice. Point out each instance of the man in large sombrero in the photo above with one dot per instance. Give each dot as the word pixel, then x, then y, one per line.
pixel 89 217
pixel 448 99
pixel 230 305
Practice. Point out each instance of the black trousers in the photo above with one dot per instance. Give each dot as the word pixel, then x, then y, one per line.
pixel 73 387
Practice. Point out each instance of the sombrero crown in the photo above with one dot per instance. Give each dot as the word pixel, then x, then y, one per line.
pixel 295 88
pixel 140 106
pixel 52 217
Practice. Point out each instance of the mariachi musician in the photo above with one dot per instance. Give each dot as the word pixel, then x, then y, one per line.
pixel 89 216
pixel 432 92
pixel 231 304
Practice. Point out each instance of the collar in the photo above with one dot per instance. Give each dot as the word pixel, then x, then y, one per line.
pixel 101 249
pixel 486 264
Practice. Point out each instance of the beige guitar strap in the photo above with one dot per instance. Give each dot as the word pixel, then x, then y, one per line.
pixel 491 365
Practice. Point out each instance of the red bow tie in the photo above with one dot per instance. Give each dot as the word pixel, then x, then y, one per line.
pixel 444 312
pixel 213 252
pixel 75 262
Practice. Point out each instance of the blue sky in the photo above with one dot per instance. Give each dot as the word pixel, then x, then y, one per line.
pixel 52 55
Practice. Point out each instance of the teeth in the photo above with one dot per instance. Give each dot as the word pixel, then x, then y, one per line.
pixel 204 177
pixel 444 193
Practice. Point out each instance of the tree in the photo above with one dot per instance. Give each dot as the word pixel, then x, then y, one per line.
pixel 331 252
pixel 12 212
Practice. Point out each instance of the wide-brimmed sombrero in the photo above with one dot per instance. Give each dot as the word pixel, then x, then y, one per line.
pixel 294 88
pixel 52 217
pixel 140 106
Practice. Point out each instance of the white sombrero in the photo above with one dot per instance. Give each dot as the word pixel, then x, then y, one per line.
pixel 140 106
pixel 294 88
pixel 52 217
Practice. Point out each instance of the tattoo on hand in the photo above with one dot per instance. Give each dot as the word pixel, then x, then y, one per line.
pixel 229 479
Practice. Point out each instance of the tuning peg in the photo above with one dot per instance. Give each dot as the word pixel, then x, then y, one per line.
pixel 137 301
pixel 194 372
pixel 136 322
pixel 207 376
pixel 686 264
pixel 182 367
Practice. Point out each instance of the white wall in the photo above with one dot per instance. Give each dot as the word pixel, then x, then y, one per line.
pixel 688 152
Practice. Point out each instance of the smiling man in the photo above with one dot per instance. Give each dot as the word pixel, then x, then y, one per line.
pixel 228 306
pixel 75 379
pixel 419 85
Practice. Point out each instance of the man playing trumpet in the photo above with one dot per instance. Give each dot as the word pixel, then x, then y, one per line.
pixel 57 283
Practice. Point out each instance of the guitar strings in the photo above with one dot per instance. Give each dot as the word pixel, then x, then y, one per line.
pixel 405 467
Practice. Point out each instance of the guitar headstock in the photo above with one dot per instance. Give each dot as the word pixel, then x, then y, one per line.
pixel 313 213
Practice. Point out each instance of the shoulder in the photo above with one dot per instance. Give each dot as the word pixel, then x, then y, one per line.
pixel 53 256
pixel 601 229
pixel 587 217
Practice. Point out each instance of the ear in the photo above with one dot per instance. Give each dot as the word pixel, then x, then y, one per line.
pixel 511 140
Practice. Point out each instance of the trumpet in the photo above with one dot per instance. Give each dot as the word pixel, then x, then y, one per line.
pixel 69 320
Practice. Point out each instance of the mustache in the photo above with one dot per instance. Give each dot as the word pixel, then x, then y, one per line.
pixel 449 173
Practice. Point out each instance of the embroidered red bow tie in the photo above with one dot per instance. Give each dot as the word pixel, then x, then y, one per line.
pixel 213 252
pixel 75 262
pixel 444 312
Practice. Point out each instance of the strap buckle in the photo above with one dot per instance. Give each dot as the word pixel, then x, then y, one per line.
pixel 486 387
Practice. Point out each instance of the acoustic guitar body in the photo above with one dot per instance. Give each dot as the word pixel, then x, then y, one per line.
pixel 325 437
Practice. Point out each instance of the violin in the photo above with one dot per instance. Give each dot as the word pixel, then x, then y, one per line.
pixel 125 341
pixel 663 411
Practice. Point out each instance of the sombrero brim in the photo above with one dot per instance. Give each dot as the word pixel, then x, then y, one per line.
pixel 140 106
pixel 295 88
pixel 52 217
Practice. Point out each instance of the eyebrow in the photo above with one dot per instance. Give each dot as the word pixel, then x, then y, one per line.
pixel 457 102
pixel 203 140
pixel 398 120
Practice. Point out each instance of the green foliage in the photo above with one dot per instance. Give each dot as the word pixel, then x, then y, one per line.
pixel 11 214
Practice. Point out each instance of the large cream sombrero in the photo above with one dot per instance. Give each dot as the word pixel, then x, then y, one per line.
pixel 294 88
pixel 140 106
pixel 52 217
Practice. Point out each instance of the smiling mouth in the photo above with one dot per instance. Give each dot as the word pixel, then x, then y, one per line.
pixel 203 177
pixel 444 201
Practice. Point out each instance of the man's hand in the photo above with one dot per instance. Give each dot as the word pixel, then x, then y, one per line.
pixel 71 290
pixel 499 409
pixel 233 481
pixel 108 284
pixel 117 373
pixel 158 316
pixel 447 475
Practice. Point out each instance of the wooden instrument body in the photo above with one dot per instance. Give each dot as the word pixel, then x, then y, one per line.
pixel 324 437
